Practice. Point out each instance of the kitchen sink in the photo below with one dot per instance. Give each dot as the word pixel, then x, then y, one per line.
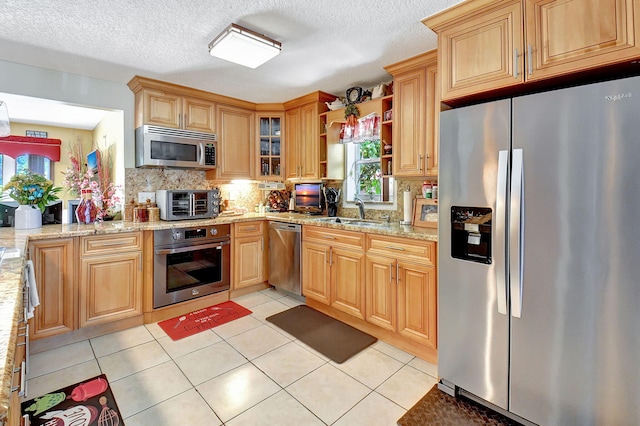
pixel 333 219
pixel 369 223
pixel 353 222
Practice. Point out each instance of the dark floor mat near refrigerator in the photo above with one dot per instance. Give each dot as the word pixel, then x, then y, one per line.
pixel 441 409
pixel 332 338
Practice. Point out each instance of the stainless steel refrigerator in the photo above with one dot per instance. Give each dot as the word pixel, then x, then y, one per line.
pixel 539 254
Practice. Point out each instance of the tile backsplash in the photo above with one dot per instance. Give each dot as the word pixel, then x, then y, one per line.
pixel 244 195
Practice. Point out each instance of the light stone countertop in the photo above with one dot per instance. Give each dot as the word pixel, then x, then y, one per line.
pixel 11 269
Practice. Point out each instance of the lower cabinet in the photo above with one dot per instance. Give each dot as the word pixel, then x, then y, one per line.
pixel 386 284
pixel 18 374
pixel 333 268
pixel 249 254
pixel 53 261
pixel 401 288
pixel 105 286
pixel 110 285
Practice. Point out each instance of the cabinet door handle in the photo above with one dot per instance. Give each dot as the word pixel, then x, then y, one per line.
pixel 390 272
pixel 394 248
pixel 326 256
pixel 329 237
pixel 530 58
pixel 330 256
pixel 515 63
pixel 398 279
pixel 26 346
pixel 262 243
pixel 420 162
pixel 252 228
pixel 113 243
pixel 22 389
pixel 140 262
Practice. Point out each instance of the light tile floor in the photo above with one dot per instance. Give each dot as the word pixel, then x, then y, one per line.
pixel 246 372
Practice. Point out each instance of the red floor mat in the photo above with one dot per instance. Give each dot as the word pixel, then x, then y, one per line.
pixel 203 319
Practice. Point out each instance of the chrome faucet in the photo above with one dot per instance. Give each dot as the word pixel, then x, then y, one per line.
pixel 358 202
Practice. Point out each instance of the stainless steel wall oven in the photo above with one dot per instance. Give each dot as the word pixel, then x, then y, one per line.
pixel 190 263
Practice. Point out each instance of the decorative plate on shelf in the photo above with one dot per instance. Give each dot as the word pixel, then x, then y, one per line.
pixel 354 94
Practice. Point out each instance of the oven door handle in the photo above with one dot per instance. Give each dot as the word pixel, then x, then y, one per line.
pixel 192 248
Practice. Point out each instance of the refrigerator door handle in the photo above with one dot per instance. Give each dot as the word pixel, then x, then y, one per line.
pixel 516 232
pixel 501 209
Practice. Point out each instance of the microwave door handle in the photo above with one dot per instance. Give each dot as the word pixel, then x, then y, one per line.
pixel 201 153
pixel 192 204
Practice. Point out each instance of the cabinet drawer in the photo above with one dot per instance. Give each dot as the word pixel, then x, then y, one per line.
pixel 108 243
pixel 422 251
pixel 243 229
pixel 333 236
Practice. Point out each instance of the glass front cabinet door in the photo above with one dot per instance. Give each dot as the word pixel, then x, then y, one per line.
pixel 271 146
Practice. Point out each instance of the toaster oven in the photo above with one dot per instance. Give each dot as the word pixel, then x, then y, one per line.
pixel 188 204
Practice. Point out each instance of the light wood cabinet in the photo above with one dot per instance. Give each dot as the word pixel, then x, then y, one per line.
pixel 53 261
pixel 167 109
pixel 103 287
pixel 271 142
pixel 19 370
pixel 110 285
pixel 333 268
pixel 14 415
pixel 302 125
pixel 401 288
pixel 316 281
pixel 485 45
pixel 416 105
pixel 249 254
pixel 236 143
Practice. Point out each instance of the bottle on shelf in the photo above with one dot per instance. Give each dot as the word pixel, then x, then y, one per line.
pixel 427 189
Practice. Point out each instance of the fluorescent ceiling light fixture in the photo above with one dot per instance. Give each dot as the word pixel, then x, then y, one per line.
pixel 243 46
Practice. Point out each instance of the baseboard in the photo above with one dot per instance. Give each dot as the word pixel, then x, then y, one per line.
pixel 83 333
pixel 428 354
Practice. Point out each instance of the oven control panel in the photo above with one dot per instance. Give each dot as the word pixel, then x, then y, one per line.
pixel 195 234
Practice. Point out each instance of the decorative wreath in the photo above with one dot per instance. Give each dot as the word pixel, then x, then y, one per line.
pixel 351 114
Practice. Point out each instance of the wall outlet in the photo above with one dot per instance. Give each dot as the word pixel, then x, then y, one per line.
pixel 144 196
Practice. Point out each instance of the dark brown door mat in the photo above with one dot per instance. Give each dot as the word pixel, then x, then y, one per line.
pixel 438 408
pixel 332 338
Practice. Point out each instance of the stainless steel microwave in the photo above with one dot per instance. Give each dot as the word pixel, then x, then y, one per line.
pixel 166 147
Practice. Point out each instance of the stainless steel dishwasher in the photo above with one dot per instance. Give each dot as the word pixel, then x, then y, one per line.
pixel 284 256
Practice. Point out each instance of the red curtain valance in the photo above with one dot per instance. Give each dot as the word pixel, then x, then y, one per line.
pixel 14 146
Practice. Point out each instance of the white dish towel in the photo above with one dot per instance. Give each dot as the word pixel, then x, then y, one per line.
pixel 30 280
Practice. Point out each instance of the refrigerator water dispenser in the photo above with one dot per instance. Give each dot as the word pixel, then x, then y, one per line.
pixel 471 233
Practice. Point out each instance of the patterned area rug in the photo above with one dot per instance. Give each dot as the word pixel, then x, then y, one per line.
pixel 88 403
pixel 203 319
pixel 439 409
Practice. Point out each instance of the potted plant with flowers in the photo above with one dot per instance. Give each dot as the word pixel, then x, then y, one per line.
pixel 33 192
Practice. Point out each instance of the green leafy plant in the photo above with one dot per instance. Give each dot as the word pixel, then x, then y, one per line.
pixel 369 180
pixel 370 149
pixel 32 188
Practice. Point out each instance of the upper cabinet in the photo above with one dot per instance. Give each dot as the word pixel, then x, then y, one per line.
pixel 416 106
pixel 486 45
pixel 302 127
pixel 236 142
pixel 171 109
pixel 270 145
pixel 159 103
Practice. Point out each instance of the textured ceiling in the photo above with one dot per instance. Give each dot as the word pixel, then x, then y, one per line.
pixel 326 45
